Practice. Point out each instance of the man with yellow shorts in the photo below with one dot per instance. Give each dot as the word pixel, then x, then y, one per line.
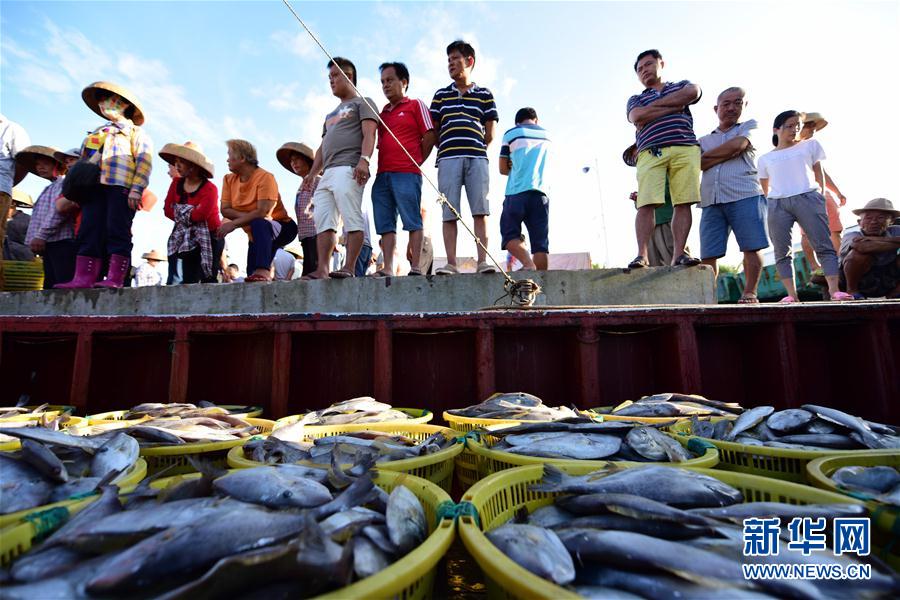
pixel 667 148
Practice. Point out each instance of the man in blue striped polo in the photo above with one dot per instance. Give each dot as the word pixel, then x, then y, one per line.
pixel 523 156
pixel 465 114
pixel 667 147
pixel 731 196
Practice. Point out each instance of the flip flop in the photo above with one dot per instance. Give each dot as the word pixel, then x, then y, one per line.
pixel 342 274
pixel 748 299
pixel 788 300
pixel 257 279
pixel 311 277
pixel 639 263
pixel 415 273
pixel 842 296
pixel 381 274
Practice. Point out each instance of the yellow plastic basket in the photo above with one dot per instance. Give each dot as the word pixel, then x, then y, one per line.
pixel 886 518
pixel 51 410
pixel 175 458
pixel 132 477
pixel 779 463
pixel 16 444
pixel 436 468
pixel 418 416
pixel 604 411
pixel 22 275
pixel 493 461
pixel 116 415
pixel 411 577
pixel 497 498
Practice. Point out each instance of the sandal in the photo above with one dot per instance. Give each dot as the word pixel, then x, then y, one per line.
pixel 311 277
pixel 639 263
pixel 842 296
pixel 342 274
pixel 257 279
pixel 686 260
pixel 415 273
pixel 748 299
pixel 381 274
pixel 788 300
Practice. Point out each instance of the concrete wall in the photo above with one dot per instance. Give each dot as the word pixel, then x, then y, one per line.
pixel 609 287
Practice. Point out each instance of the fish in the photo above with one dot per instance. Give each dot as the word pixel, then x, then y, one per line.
pixel 550 516
pixel 641 441
pixel 629 505
pixel 272 487
pixel 647 410
pixel 44 460
pixel 117 455
pixel 821 440
pixel 851 422
pixel 54 438
pixel 657 585
pixel 581 446
pixel 405 519
pixel 682 489
pixel 790 420
pixel 748 420
pixel 782 510
pixel 535 549
pixel 368 558
pixel 667 530
pixel 515 406
pixel 872 480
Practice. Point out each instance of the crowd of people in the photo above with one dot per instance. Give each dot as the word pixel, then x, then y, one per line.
pixel 81 222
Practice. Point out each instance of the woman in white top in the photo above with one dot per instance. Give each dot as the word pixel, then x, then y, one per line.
pixel 792 179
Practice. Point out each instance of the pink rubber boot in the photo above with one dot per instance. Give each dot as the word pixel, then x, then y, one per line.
pixel 87 272
pixel 115 276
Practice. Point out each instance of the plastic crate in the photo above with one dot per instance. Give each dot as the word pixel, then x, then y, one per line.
pixel 779 463
pixel 436 468
pixel 418 416
pixel 22 275
pixel 491 461
pixel 130 478
pixel 603 411
pixel 497 498
pixel 885 518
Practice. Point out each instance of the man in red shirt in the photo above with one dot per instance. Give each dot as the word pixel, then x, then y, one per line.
pixel 398 185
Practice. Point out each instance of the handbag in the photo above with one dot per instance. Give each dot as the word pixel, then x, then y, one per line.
pixel 81 180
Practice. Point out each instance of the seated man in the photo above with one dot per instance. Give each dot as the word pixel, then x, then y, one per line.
pixel 250 200
pixel 870 261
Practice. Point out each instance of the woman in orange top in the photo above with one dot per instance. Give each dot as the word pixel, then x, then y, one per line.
pixel 250 200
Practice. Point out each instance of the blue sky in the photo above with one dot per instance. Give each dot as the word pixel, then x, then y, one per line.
pixel 209 71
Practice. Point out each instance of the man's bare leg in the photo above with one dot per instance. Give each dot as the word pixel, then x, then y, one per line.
pixel 416 238
pixel 325 244
pixel 681 227
pixel 541 261
pixel 481 232
pixel 449 231
pixel 752 271
pixel 517 249
pixel 836 241
pixel 388 243
pixel 354 245
pixel 714 263
pixel 855 266
pixel 809 252
pixel 643 228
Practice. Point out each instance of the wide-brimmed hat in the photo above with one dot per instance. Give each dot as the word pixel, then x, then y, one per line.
pixel 879 204
pixel 89 95
pixel 283 154
pixel 294 249
pixel 815 118
pixel 628 155
pixel 62 155
pixel 21 198
pixel 154 255
pixel 28 157
pixel 190 152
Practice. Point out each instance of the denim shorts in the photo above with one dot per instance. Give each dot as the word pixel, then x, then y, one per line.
pixel 456 172
pixel 747 218
pixel 393 194
pixel 533 209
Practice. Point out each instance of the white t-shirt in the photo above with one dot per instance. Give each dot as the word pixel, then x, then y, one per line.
pixel 283 263
pixel 789 171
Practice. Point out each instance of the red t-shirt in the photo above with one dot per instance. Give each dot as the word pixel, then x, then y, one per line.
pixel 205 200
pixel 409 120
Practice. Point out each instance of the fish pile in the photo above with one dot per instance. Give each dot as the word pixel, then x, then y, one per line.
pixel 676 405
pixel 583 439
pixel 665 532
pixel 882 483
pixel 356 410
pixel 519 406
pixel 344 448
pixel 42 421
pixel 52 466
pixel 168 431
pixel 811 427
pixel 157 410
pixel 21 411
pixel 281 531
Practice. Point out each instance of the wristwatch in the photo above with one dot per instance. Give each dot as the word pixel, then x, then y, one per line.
pixel 368 159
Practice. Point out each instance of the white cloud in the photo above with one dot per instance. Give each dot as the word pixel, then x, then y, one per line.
pixel 297 43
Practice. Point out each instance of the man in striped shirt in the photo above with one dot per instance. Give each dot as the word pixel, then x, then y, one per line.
pixel 465 114
pixel 667 147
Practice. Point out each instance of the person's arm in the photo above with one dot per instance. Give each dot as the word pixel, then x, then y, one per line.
pixel 505 165
pixel 206 204
pixel 834 188
pixel 169 202
pixel 765 186
pixel 428 142
pixel 820 175
pixel 142 150
pixel 314 171
pixel 724 152
pixel 666 105
pixel 239 219
pixel 361 172
pixel 489 132
pixel 875 245
pixel 66 207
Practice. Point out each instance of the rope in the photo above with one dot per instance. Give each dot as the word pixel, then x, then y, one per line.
pixel 47 521
pixel 520 289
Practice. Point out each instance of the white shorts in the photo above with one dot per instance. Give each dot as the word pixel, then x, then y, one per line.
pixel 338 195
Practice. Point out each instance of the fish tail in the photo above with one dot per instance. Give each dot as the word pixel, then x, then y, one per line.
pixel 554 479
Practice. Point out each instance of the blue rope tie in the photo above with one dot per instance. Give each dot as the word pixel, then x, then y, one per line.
pixel 47 521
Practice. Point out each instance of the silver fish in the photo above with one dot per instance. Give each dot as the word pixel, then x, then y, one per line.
pixel 42 459
pixel 872 480
pixel 405 519
pixel 272 487
pixel 116 455
pixel 536 549
pixel 790 420
pixel 749 420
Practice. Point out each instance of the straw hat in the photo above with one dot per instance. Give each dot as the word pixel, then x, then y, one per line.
pixel 21 198
pixel 815 118
pixel 879 204
pixel 629 155
pixel 28 157
pixel 89 95
pixel 294 249
pixel 283 154
pixel 154 255
pixel 190 152
pixel 62 155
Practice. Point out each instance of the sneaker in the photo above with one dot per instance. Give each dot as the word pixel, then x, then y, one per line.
pixel 485 267
pixel 447 269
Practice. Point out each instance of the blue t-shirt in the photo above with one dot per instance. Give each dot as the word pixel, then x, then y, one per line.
pixel 526 145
